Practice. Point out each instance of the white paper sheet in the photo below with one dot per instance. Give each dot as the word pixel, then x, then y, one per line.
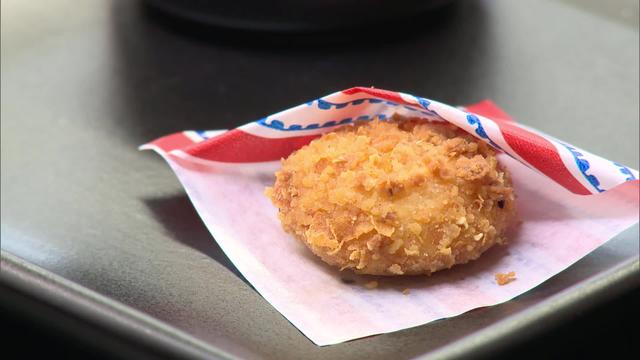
pixel 557 229
pixel 225 177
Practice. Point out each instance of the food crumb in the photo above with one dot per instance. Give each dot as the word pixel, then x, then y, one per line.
pixel 504 279
pixel 371 285
pixel 395 269
pixel 406 291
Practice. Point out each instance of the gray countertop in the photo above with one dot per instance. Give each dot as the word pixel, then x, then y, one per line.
pixel 85 82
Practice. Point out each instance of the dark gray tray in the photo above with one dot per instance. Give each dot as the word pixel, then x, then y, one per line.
pixel 95 227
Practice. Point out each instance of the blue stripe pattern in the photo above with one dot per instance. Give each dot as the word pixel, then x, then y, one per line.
pixel 327 105
pixel 626 171
pixel 583 166
pixel 475 121
pixel 279 125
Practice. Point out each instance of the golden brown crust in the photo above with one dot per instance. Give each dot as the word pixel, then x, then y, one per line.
pixel 393 198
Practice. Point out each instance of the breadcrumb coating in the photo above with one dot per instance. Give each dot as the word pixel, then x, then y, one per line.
pixel 398 197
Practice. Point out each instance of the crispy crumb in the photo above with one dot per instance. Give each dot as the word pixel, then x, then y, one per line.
pixel 505 278
pixel 406 291
pixel 371 285
pixel 398 197
pixel 395 269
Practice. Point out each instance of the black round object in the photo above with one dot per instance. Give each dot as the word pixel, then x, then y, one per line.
pixel 294 15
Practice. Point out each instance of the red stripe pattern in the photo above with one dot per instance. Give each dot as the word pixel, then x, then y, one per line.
pixel 259 142
pixel 489 109
pixel 237 146
pixel 542 155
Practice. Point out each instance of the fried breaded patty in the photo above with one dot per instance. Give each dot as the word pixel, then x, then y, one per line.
pixel 395 197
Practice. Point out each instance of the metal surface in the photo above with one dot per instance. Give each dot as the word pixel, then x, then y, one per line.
pixel 84 83
pixel 95 308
